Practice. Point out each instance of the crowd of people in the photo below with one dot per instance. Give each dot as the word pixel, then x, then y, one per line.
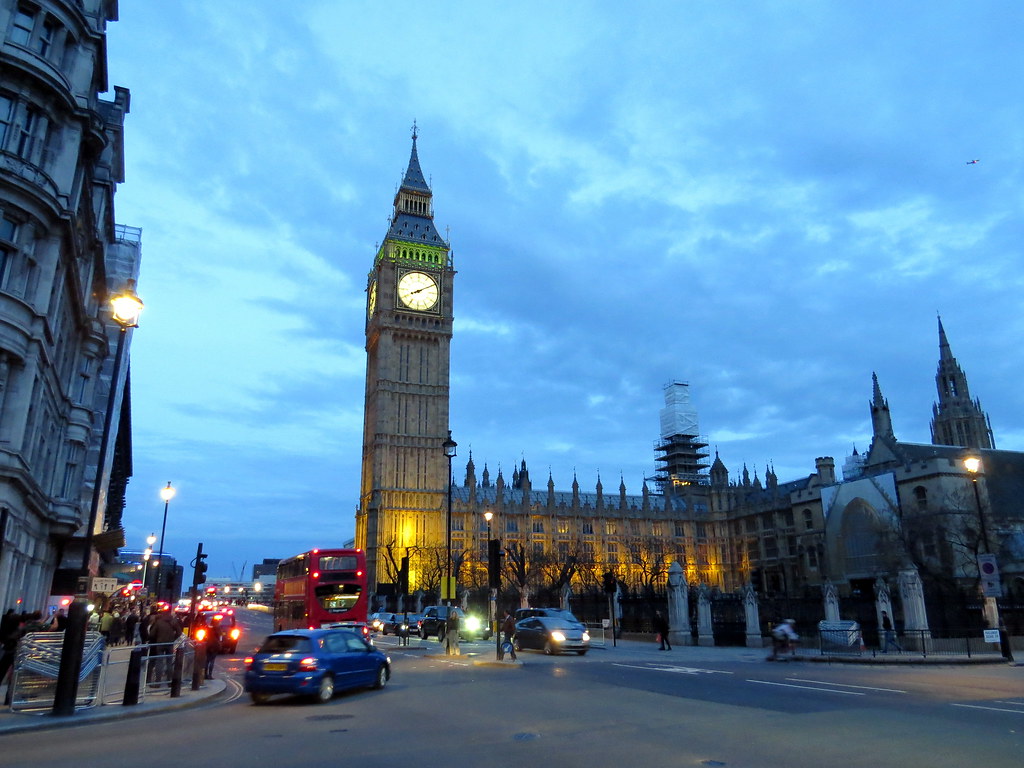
pixel 155 626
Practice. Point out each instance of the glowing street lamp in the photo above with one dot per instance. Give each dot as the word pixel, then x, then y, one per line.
pixel 449 447
pixel 166 493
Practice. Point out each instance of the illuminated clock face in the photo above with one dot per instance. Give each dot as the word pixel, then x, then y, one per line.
pixel 372 302
pixel 418 290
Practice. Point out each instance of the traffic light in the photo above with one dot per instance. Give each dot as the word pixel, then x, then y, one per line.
pixel 494 555
pixel 608 581
pixel 199 575
pixel 403 577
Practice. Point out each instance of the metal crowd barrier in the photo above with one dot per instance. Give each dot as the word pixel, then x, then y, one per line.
pixel 34 677
pixel 106 676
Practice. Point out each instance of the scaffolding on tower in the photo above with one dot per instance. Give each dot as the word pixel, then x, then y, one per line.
pixel 681 453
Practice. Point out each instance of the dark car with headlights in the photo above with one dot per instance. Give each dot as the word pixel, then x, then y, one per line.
pixel 551 634
pixel 315 663
pixel 525 613
pixel 435 621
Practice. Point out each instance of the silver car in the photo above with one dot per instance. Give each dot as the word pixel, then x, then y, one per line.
pixel 551 634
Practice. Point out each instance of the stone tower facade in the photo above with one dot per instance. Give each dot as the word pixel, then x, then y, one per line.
pixel 404 482
pixel 956 419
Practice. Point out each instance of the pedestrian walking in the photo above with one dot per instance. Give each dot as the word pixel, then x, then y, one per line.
pixel 889 634
pixel 213 648
pixel 451 632
pixel 661 628
pixel 164 629
pixel 508 629
pixel 130 622
pixel 116 636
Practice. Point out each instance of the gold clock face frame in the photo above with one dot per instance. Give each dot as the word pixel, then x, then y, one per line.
pixel 371 303
pixel 418 291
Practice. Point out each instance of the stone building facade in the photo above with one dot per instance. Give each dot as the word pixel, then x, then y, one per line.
pixel 61 257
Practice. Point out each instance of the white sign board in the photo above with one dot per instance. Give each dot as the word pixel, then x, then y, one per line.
pixel 991 635
pixel 104 586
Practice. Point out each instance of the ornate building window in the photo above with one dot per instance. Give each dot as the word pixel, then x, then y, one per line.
pixel 808 520
pixel 563 525
pixel 538 526
pixel 613 553
pixel 511 525
pixel 458 524
pixel 611 528
pixel 657 529
pixel 22 24
pixel 588 529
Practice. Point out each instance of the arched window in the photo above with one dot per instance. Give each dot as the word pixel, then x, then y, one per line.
pixel 921 498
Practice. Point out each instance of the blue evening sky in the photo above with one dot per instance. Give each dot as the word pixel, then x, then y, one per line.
pixel 770 201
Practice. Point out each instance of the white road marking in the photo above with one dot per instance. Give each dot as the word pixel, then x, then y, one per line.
pixel 990 709
pixel 808 688
pixel 676 670
pixel 844 685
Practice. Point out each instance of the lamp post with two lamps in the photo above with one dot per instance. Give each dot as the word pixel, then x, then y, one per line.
pixel 146 555
pixel 447 591
pixel 166 493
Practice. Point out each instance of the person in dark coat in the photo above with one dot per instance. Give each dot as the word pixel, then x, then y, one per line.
pixel 130 622
pixel 213 648
pixel 661 628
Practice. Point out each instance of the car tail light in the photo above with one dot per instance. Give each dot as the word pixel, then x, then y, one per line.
pixel 248 662
pixel 201 634
pixel 308 664
pixel 235 634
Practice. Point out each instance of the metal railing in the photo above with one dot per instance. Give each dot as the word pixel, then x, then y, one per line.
pixel 911 644
pixel 109 675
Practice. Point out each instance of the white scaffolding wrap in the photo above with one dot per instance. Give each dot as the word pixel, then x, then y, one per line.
pixel 678 417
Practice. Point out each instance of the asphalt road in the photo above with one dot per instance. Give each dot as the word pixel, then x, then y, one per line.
pixel 610 708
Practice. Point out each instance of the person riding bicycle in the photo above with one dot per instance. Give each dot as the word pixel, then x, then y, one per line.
pixel 784 638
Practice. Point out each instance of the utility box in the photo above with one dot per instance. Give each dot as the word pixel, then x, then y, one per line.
pixel 840 637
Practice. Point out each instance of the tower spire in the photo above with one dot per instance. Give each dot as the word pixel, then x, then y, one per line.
pixel 956 419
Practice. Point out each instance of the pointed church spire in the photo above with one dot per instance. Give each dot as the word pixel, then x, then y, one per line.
pixel 881 419
pixel 956 419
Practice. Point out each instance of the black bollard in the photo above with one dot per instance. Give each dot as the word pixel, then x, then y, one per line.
pixel 133 680
pixel 66 692
pixel 179 665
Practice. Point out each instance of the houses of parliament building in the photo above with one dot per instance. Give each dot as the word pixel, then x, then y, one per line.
pixel 899 505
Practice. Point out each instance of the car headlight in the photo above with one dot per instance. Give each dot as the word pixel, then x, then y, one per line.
pixel 472 623
pixel 586 637
pixel 558 637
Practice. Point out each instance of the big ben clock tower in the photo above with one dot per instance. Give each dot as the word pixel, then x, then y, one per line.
pixel 405 422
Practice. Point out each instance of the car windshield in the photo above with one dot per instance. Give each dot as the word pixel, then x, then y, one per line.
pixel 557 622
pixel 284 643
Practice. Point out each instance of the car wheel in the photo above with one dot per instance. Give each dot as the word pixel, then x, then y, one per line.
pixel 440 635
pixel 382 677
pixel 326 690
pixel 550 649
pixel 517 646
pixel 259 698
pixel 582 653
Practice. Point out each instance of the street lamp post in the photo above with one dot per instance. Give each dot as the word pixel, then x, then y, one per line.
pixel 973 465
pixel 492 603
pixel 449 447
pixel 166 493
pixel 150 541
pixel 125 309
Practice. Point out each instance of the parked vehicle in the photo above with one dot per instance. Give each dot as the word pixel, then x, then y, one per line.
pixel 551 634
pixel 435 619
pixel 315 663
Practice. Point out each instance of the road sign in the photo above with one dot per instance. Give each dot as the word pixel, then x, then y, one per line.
pixel 991 635
pixel 103 585
pixel 988 570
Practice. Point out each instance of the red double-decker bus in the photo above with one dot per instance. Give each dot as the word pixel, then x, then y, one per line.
pixel 320 587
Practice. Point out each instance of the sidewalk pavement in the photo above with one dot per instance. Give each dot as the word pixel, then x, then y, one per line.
pixel 479 654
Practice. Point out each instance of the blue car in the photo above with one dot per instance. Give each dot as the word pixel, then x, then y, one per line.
pixel 316 663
